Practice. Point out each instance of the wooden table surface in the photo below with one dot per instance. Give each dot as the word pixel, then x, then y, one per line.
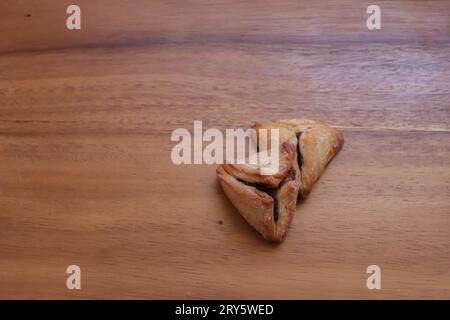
pixel 86 176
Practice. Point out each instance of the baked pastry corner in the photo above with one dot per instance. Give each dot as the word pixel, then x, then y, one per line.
pixel 267 202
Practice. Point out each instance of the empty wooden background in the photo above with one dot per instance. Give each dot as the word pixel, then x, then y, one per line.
pixel 85 170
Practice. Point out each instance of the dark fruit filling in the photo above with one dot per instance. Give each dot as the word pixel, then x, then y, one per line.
pixel 299 154
pixel 272 192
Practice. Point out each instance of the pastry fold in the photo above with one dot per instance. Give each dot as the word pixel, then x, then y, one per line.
pixel 268 202
pixel 317 145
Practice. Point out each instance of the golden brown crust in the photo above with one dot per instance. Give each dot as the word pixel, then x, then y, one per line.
pixel 252 173
pixel 285 132
pixel 318 144
pixel 257 207
pixel 287 195
pixel 307 146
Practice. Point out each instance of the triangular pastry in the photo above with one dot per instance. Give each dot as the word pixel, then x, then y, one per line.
pixel 268 202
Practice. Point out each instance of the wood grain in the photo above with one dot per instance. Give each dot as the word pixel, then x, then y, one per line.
pixel 86 176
